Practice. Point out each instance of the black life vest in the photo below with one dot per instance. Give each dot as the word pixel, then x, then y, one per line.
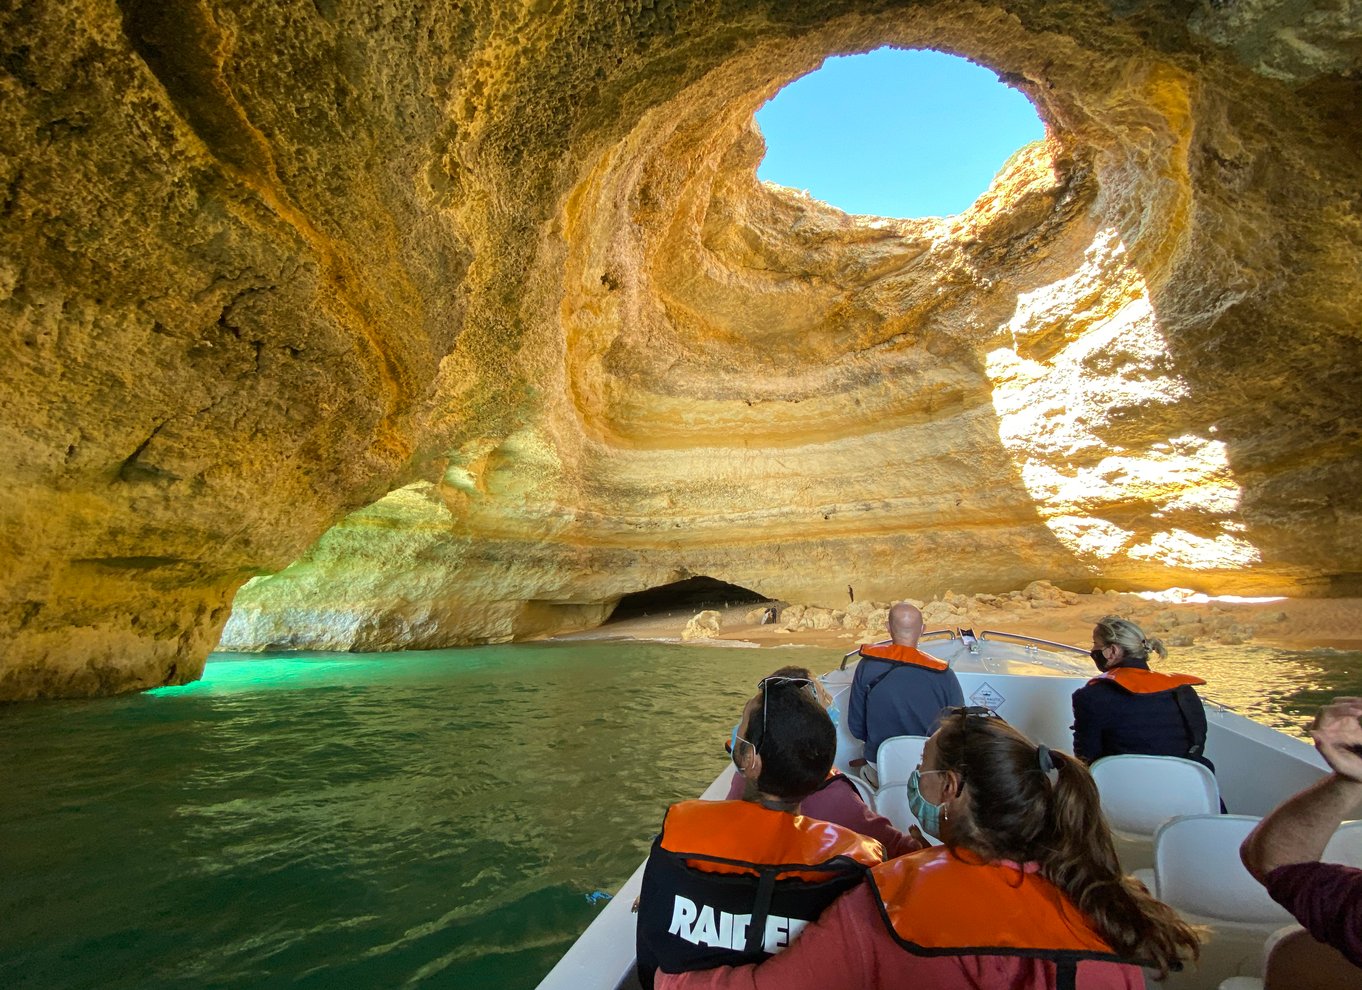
pixel 731 882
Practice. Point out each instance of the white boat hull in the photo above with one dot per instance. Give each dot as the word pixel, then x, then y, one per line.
pixel 1030 684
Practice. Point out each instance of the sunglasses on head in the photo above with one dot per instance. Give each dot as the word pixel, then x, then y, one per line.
pixel 966 714
pixel 971 711
pixel 763 686
pixel 782 679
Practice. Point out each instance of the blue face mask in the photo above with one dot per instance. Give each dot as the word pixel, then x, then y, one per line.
pixel 927 814
pixel 733 747
pixel 835 714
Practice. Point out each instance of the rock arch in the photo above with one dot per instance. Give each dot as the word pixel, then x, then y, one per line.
pixel 262 263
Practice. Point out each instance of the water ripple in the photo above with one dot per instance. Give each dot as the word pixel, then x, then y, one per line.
pixel 420 819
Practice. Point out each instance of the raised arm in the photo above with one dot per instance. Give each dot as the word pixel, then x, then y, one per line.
pixel 1299 829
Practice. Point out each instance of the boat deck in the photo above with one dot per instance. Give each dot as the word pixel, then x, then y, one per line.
pixel 1029 682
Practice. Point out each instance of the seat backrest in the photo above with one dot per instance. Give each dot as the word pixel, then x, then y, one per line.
pixel 1346 845
pixel 1295 961
pixel 898 756
pixel 1197 870
pixel 1140 793
pixel 892 802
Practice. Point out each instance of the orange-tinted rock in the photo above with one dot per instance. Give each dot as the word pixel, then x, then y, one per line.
pixel 262 263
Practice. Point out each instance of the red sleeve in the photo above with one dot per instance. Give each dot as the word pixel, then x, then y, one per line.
pixel 840 804
pixel 839 949
pixel 735 788
pixel 1326 899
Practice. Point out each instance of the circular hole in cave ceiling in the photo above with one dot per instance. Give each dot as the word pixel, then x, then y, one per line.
pixel 895 133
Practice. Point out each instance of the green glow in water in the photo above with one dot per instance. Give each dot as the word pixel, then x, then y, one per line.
pixel 391 820
pixel 274 672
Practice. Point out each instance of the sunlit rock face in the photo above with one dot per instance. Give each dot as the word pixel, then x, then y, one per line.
pixel 262 263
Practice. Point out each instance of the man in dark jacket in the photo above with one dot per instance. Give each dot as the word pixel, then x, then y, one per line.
pixel 898 690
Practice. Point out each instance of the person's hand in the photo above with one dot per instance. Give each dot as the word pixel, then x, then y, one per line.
pixel 916 834
pixel 1338 737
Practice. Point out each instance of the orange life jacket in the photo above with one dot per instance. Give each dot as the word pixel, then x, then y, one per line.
pixel 1139 680
pixel 731 882
pixel 739 836
pixel 903 654
pixel 939 902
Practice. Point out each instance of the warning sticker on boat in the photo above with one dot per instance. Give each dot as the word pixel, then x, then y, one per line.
pixel 986 697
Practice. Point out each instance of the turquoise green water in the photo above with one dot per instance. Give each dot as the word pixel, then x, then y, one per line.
pixel 421 819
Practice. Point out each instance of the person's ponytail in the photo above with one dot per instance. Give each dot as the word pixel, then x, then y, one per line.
pixel 1134 644
pixel 1081 861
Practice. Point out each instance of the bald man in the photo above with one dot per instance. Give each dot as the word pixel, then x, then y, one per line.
pixel 898 690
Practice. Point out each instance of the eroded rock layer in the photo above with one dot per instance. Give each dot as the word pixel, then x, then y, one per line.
pixel 263 263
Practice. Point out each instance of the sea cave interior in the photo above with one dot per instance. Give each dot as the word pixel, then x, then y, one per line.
pixel 355 327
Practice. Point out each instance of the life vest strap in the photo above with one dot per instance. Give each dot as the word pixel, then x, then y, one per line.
pixel 761 907
pixel 1141 680
pixel 910 655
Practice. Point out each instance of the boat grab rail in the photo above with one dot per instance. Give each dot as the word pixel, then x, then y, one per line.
pixel 931 634
pixel 997 634
pixel 1019 638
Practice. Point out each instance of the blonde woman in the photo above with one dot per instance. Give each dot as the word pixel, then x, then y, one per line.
pixel 1132 709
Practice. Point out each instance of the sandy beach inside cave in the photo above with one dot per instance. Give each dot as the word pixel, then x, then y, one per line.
pixel 1296 623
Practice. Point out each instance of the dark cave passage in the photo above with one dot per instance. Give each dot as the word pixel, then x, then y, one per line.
pixel 694 593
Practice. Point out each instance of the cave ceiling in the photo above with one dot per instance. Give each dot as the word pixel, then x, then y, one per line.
pixel 447 322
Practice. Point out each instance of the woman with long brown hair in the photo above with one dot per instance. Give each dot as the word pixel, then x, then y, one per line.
pixel 1025 891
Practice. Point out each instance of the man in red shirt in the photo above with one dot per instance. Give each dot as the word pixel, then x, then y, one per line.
pixel 1283 851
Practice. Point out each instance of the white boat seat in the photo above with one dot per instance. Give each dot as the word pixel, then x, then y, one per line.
pixel 1198 872
pixel 892 802
pixel 1293 960
pixel 1346 845
pixel 1139 793
pixel 897 758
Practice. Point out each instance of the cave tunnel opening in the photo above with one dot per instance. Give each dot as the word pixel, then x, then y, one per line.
pixel 903 133
pixel 693 594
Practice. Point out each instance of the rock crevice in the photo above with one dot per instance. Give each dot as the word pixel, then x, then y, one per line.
pixel 449 324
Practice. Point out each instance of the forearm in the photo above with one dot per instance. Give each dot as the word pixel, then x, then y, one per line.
pixel 834 951
pixel 858 817
pixel 1298 831
pixel 1086 742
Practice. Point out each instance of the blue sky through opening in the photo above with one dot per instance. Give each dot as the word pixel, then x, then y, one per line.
pixel 895 133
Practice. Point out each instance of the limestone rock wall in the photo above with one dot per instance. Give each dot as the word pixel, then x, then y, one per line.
pixel 261 264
